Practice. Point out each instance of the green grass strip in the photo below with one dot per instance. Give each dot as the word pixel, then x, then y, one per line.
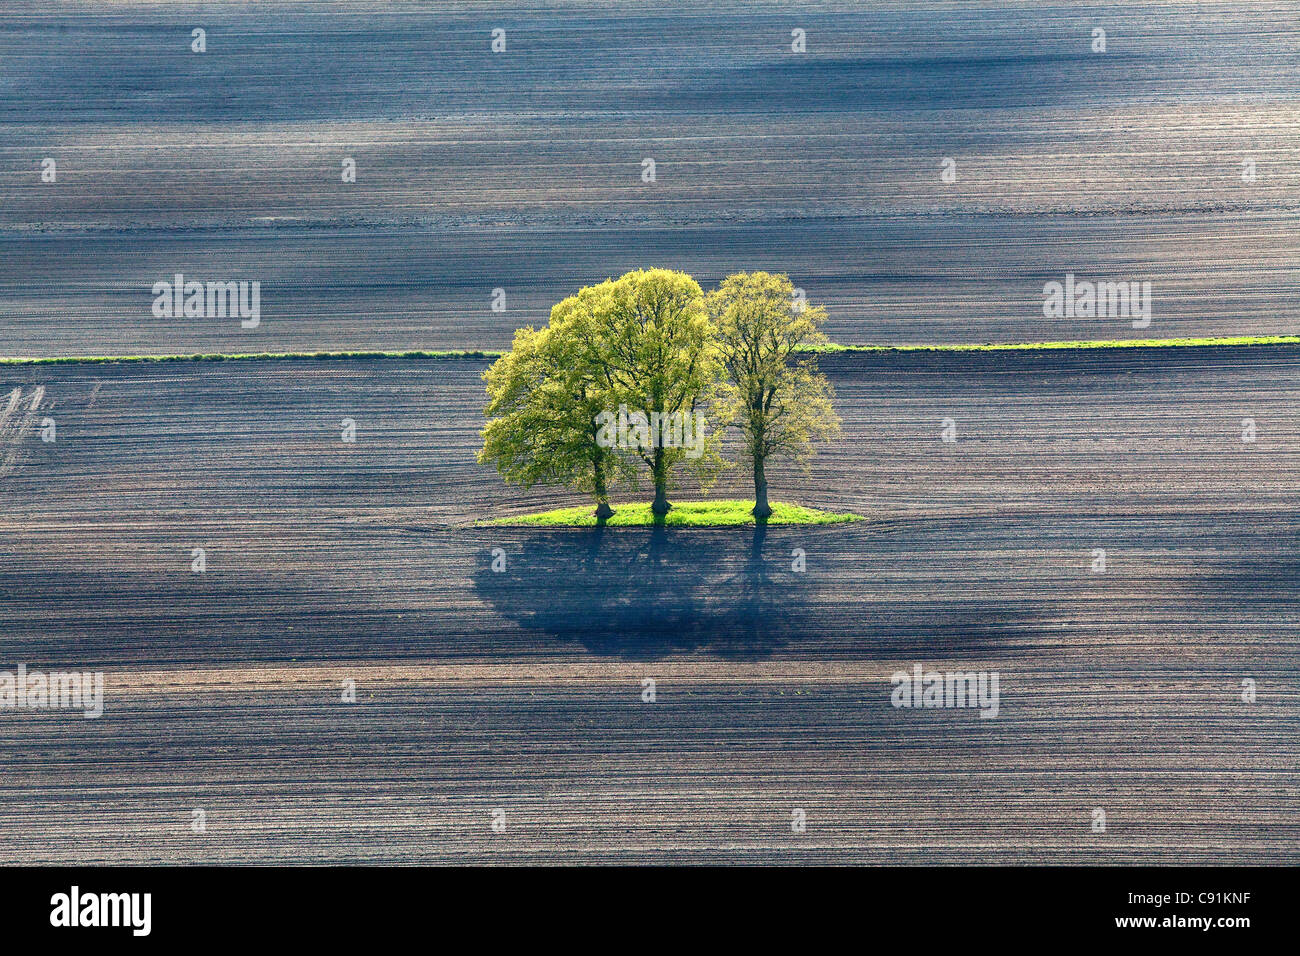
pixel 245 356
pixel 1072 344
pixel 693 514
pixel 832 348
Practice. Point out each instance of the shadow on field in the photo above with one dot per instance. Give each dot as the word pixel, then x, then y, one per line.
pixel 648 592
pixel 1257 575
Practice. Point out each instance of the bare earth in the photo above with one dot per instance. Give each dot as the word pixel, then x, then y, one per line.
pixel 522 170
pixel 522 690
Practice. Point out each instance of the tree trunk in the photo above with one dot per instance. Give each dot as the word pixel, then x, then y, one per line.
pixel 762 510
pixel 660 505
pixel 603 510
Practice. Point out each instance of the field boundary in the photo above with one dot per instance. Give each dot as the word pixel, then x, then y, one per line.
pixel 1236 341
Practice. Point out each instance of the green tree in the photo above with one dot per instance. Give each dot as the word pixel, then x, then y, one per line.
pixel 775 394
pixel 648 338
pixel 543 403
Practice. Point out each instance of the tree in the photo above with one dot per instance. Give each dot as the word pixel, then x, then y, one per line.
pixel 648 338
pixel 542 410
pixel 776 397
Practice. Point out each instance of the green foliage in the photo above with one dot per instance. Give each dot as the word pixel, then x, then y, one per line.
pixel 542 403
pixel 652 344
pixel 647 337
pixel 774 393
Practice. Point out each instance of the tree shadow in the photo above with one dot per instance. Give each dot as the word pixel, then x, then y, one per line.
pixel 648 592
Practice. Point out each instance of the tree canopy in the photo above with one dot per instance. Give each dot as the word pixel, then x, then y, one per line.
pixel 627 371
pixel 542 408
pixel 648 338
pixel 774 393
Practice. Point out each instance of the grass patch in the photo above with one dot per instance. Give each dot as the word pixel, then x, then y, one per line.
pixel 244 356
pixel 1071 344
pixel 692 514
pixel 830 348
